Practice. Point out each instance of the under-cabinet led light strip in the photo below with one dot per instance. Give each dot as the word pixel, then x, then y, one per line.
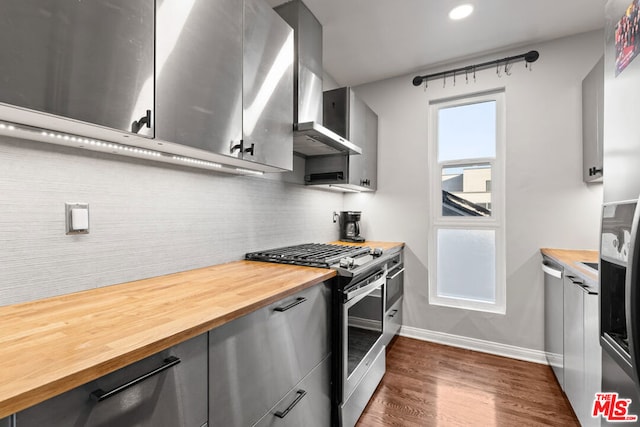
pixel 38 134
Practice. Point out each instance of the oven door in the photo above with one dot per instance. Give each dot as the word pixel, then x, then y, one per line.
pixel 363 313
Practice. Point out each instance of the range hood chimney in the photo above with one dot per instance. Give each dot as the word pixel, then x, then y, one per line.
pixel 310 137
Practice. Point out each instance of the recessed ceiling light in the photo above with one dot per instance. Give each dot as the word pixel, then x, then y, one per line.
pixel 460 12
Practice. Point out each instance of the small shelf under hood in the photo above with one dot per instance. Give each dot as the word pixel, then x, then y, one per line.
pixel 312 139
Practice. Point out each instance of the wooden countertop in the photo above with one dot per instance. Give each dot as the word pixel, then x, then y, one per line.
pixel 53 345
pixel 572 259
pixel 385 246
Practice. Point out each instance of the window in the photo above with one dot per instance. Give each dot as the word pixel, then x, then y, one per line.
pixel 466 151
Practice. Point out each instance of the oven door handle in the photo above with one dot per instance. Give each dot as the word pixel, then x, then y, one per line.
pixel 351 297
pixel 396 274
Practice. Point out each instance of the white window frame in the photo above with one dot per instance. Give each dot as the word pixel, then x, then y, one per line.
pixel 497 220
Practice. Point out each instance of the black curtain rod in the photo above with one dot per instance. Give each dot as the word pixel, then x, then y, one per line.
pixel 531 56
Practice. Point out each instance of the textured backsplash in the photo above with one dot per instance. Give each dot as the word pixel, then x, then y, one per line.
pixel 146 218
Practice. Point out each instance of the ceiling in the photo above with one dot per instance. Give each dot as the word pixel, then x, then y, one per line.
pixel 369 40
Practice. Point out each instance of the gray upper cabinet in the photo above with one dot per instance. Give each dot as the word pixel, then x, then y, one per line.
pixel 267 77
pixel 86 60
pixel 199 74
pixel 351 118
pixel 592 123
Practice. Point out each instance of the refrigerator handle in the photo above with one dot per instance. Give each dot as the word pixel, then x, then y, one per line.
pixel 632 293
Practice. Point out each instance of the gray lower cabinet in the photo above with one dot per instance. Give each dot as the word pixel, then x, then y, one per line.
pixel 553 317
pixel 394 295
pixel 582 354
pixel 167 389
pixel 6 422
pixel 256 361
pixel 573 344
pixel 592 353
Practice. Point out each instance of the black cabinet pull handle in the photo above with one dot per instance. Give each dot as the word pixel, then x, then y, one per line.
pixel 594 171
pixel 282 414
pixel 145 120
pixel 238 146
pixel 250 149
pixel 393 313
pixel 298 300
pixel 99 395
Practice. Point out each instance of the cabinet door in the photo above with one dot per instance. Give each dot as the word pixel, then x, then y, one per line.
pixel 254 361
pixel 573 344
pixel 357 134
pixel 173 397
pixel 199 74
pixel 592 123
pixel 363 122
pixel 553 319
pixel 267 87
pixel 371 156
pixel 592 356
pixel 85 60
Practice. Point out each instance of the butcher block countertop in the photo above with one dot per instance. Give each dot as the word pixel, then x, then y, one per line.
pixel 571 259
pixel 385 246
pixel 53 345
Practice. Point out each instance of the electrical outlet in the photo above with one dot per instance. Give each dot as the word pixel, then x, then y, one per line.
pixel 77 218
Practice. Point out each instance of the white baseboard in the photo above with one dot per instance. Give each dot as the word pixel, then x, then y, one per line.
pixel 483 346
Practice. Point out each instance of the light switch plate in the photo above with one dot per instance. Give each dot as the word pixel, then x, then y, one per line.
pixel 69 216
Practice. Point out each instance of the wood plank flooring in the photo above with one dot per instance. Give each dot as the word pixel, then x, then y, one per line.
pixel 428 384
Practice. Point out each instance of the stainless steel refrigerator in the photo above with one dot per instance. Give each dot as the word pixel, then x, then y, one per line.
pixel 620 245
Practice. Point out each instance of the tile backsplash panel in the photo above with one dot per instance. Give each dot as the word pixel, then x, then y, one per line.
pixel 146 219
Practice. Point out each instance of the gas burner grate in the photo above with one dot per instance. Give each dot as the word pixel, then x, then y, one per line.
pixel 309 254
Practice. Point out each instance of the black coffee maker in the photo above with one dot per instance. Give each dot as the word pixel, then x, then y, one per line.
pixel 350 226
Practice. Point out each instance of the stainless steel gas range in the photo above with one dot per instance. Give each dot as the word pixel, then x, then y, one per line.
pixel 358 353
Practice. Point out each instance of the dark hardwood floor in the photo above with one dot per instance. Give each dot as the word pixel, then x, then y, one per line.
pixel 430 384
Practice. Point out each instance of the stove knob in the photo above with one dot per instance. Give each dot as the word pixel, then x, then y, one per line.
pixel 376 252
pixel 347 262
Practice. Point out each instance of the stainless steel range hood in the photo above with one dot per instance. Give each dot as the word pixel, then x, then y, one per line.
pixel 310 137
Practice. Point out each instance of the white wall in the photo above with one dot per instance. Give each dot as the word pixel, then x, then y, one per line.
pixel 147 218
pixel 547 204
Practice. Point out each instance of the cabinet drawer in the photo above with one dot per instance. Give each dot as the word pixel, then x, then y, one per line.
pixel 174 397
pixel 256 359
pixel 392 322
pixel 307 404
